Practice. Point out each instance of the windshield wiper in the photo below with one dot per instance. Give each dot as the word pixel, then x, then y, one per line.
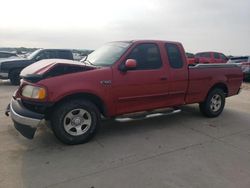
pixel 89 62
pixel 86 61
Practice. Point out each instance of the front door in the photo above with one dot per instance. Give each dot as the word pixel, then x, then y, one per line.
pixel 145 87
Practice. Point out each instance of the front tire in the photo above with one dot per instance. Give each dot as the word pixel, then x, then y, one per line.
pixel 213 104
pixel 75 121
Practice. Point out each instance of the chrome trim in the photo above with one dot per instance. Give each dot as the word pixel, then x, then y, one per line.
pixel 146 116
pixel 34 123
pixel 215 65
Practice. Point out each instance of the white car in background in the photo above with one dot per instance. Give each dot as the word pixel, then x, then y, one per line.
pixel 244 63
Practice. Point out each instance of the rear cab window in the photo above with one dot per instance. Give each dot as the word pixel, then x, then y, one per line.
pixel 174 56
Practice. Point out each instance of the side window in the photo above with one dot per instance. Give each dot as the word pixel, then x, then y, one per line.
pixel 174 56
pixel 207 55
pixel 50 54
pixel 147 56
pixel 64 55
pixel 41 55
pixel 216 56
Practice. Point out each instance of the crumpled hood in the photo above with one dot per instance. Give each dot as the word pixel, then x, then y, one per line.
pixel 52 67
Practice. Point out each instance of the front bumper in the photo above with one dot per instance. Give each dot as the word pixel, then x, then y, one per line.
pixel 25 121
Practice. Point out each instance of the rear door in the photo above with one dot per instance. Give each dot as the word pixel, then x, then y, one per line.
pixel 145 87
pixel 178 77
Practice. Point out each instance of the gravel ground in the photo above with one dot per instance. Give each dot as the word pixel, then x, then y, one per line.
pixel 183 150
pixel 246 85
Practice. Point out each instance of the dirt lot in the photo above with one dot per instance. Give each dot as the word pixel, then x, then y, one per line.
pixel 183 150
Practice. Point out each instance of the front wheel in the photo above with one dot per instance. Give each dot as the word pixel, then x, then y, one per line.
pixel 213 104
pixel 75 121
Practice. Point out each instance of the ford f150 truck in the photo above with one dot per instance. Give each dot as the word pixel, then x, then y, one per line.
pixel 11 68
pixel 121 79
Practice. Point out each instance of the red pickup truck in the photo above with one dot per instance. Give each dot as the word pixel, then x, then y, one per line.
pixel 120 79
pixel 210 57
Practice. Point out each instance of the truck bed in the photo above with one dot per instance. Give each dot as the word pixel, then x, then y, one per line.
pixel 203 77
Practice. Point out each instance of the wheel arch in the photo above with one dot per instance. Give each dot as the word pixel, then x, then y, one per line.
pixel 220 85
pixel 100 104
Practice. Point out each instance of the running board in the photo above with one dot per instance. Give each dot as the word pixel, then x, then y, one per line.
pixel 146 115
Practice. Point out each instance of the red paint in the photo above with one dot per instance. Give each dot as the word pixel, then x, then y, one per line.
pixel 139 90
pixel 130 64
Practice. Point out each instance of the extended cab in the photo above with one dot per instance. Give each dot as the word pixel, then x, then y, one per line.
pixel 11 68
pixel 120 79
pixel 210 57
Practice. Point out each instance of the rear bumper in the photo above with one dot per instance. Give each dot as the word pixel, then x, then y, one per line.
pixel 25 121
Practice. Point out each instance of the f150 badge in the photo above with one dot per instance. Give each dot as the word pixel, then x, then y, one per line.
pixel 106 82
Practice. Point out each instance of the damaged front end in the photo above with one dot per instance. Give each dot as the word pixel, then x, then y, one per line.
pixel 28 106
pixel 50 68
pixel 25 121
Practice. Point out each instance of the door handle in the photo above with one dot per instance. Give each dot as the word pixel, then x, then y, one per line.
pixel 163 78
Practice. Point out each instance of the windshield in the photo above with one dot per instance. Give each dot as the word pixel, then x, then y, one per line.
pixel 108 54
pixel 33 54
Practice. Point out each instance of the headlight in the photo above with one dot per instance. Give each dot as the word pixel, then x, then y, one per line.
pixel 34 92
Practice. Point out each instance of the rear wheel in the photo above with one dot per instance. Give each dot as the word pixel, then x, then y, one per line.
pixel 75 121
pixel 213 104
pixel 14 76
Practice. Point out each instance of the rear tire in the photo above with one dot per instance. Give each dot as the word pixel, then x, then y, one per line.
pixel 75 121
pixel 213 104
pixel 14 76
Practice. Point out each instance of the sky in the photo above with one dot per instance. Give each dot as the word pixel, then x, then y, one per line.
pixel 200 25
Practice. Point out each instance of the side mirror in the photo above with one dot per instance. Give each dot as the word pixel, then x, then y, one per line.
pixel 130 64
